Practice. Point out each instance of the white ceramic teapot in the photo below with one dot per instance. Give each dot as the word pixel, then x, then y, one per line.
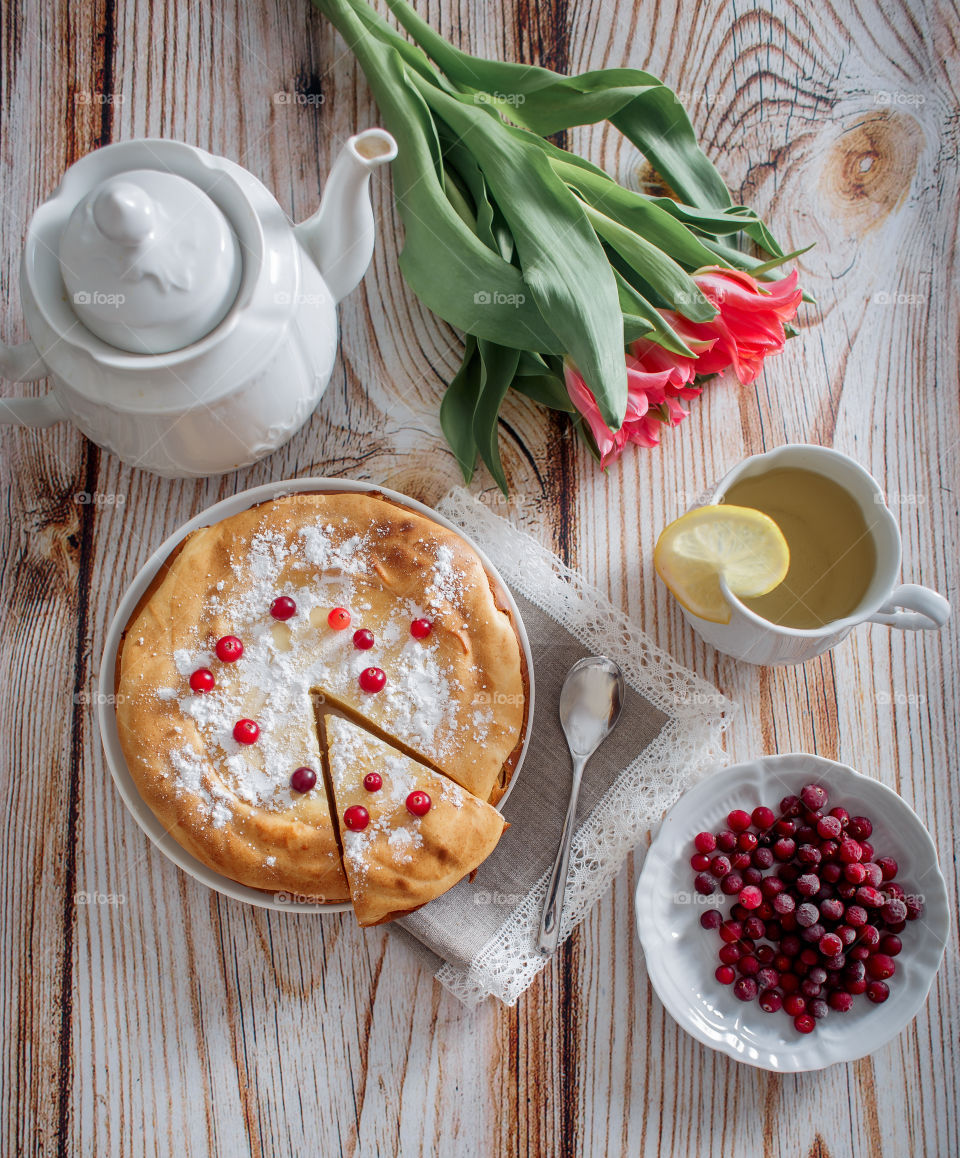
pixel 185 324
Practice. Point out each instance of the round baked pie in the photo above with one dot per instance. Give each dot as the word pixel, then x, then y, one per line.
pixel 317 605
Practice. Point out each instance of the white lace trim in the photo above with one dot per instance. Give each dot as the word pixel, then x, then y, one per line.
pixel 688 744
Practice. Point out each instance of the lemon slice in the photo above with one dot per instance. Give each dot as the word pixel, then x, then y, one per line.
pixel 743 546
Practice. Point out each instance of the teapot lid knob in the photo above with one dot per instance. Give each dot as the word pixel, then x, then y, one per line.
pixel 150 262
pixel 124 212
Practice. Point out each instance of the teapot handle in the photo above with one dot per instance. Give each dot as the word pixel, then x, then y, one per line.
pixel 23 364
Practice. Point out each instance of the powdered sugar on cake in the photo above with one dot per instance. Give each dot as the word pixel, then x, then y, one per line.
pixel 282 668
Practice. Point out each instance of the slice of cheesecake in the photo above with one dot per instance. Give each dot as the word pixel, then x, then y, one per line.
pixel 408 833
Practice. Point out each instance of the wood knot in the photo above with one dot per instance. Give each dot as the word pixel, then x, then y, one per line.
pixel 869 169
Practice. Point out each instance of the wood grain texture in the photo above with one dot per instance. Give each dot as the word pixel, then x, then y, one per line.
pixel 160 1019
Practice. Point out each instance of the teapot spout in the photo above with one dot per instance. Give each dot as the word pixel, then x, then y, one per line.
pixel 339 237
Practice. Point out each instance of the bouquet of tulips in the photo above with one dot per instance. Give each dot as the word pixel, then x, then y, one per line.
pixel 607 303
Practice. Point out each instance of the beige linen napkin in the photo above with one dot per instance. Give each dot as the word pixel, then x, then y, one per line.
pixel 480 937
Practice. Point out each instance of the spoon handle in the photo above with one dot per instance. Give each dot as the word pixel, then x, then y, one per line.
pixel 557 885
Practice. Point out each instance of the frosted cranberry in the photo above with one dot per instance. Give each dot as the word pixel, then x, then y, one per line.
pixel 421 628
pixel 914 907
pixel 246 731
pixel 888 866
pixel 813 933
pixel 855 873
pixel 873 875
pixel 418 803
pixel 850 851
pixel 847 934
pixel 363 639
pixel 711 919
pixel 785 827
pixel 338 618
pixel 784 848
pixel 356 818
pixel 830 873
pixel 726 840
pixel 877 992
pixel 228 649
pixel 829 850
pixel 807 915
pixel 841 1001
pixel 830 945
pixel 731 931
pixel 762 817
pixel 762 858
pixel 846 891
pixel 818 1008
pixel 859 953
pixel 790 945
pixel 731 884
pixel 809 854
pixel 784 903
pixel 867 849
pixel 746 842
pixel 740 861
pixel 771 886
pixel 790 806
pixel 770 1001
pixel 752 876
pixel 303 779
pixel 283 608
pixel 808 885
pixel 704 842
pixel 699 862
pixel 894 911
pixel 372 679
pixel 817 974
pixel 812 796
pixel 890 944
pixel 745 988
pixel 720 866
pixel 750 897
pixel 749 966
pixel 810 988
pixel 881 966
pixel 829 827
pixel 870 936
pixel 202 680
pixel 832 909
pixel 893 889
pixel 730 954
pixel 373 782
pixel 856 915
pixel 724 974
pixel 794 1004
pixel 869 897
pixel 842 815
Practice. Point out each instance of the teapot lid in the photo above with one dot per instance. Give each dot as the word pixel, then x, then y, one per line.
pixel 150 263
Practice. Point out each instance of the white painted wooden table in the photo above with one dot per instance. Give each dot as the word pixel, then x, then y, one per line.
pixel 141 1014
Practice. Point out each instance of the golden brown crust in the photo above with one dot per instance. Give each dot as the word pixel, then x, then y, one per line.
pixel 456 701
pixel 399 862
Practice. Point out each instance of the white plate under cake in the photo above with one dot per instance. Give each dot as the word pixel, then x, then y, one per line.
pixel 258 626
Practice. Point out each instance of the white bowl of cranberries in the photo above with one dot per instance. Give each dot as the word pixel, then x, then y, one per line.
pixel 792 913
